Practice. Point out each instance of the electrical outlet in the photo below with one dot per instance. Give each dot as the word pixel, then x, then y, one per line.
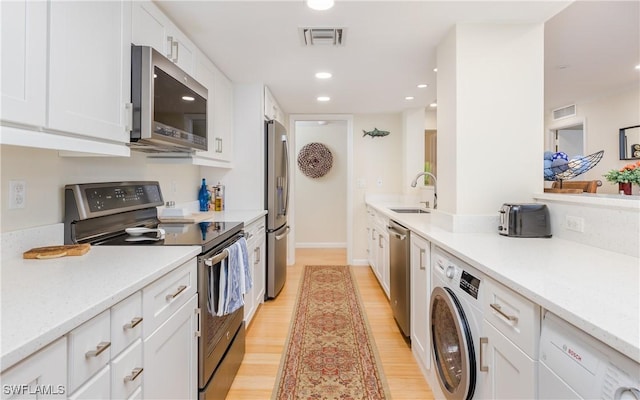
pixel 574 223
pixel 17 194
pixel 361 183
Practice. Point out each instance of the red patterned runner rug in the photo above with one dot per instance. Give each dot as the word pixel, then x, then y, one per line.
pixel 330 352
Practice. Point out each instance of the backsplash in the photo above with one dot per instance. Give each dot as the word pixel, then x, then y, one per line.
pixel 609 223
pixel 13 244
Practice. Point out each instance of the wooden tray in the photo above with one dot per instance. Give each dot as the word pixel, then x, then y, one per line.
pixel 57 251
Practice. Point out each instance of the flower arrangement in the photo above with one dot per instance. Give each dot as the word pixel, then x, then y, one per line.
pixel 630 173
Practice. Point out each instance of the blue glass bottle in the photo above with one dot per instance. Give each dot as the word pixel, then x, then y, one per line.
pixel 203 196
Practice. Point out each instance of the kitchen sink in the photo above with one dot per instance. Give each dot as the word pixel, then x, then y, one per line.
pixel 410 210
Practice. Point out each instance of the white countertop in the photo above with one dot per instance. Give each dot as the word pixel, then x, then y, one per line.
pixel 41 300
pixel 596 290
pixel 246 216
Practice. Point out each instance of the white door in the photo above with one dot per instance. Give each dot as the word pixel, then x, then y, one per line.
pixel 420 292
pixel 90 68
pixel 171 358
pixel 24 66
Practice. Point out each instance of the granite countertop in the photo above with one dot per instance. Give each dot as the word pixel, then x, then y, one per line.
pixel 41 300
pixel 596 290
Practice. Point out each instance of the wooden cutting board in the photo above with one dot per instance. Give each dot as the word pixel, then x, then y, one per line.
pixel 57 251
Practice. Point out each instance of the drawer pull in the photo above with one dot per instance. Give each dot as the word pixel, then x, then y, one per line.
pixel 483 341
pixel 99 349
pixel 181 289
pixel 498 309
pixel 134 322
pixel 134 374
pixel 422 254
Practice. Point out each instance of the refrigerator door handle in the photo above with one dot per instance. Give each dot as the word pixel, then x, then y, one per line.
pixel 286 232
pixel 286 174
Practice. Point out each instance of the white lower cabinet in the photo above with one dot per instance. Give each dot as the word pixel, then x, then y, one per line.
pixel 44 372
pixel 511 373
pixel 170 342
pixel 98 387
pixel 256 246
pixel 126 371
pixel 420 297
pixel 511 330
pixel 103 358
pixel 170 356
pixel 378 247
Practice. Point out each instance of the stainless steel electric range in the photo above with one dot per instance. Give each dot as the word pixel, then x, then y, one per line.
pixel 125 214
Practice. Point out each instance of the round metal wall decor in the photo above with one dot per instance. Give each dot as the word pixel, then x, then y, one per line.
pixel 315 160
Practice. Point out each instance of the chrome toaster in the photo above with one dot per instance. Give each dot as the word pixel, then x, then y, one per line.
pixel 525 220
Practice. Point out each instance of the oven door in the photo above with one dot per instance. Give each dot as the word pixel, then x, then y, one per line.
pixel 217 333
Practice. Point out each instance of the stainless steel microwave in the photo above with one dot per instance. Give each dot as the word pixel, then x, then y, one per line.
pixel 169 106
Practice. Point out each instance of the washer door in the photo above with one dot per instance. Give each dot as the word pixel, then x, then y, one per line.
pixel 452 346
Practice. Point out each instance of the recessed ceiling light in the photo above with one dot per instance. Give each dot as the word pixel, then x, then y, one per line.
pixel 323 75
pixel 638 66
pixel 422 86
pixel 435 70
pixel 324 98
pixel 322 122
pixel 188 98
pixel 409 98
pixel 562 66
pixel 433 105
pixel 320 5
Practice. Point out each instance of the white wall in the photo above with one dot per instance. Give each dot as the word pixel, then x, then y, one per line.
pixel 375 160
pixel 321 203
pixel 46 173
pixel 489 116
pixel 413 121
pixel 603 117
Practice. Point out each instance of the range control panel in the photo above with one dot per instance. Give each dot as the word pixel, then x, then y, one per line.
pixel 108 198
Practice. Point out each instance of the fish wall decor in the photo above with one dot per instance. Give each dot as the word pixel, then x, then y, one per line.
pixel 375 133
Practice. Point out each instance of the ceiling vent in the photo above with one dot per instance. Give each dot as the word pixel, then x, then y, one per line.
pixel 322 36
pixel 564 112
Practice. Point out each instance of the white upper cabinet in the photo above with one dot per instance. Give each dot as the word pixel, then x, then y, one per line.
pixel 272 109
pixel 90 68
pixel 219 110
pixel 24 64
pixel 151 27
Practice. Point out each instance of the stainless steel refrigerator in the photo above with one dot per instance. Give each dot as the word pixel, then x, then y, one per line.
pixel 277 204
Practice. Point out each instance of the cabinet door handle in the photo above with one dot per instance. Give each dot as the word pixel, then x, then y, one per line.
pixel 483 341
pixel 128 123
pixel 198 332
pixel 172 296
pixel 422 253
pixel 170 47
pixel 134 322
pixel 134 374
pixel 256 253
pixel 373 234
pixel 498 309
pixel 99 349
pixel 176 44
pixel 380 241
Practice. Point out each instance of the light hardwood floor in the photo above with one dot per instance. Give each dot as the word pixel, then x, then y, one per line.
pixel 268 332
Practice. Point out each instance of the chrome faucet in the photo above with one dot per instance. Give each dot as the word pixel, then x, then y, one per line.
pixel 435 186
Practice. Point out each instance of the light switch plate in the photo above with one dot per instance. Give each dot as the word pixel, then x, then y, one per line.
pixel 574 223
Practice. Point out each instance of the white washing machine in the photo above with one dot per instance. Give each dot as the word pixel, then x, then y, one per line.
pixel 456 326
pixel 575 365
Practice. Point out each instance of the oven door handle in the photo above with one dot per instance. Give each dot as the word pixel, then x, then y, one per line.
pixel 217 258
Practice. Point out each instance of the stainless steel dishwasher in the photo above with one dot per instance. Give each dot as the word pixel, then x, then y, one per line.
pixel 399 285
